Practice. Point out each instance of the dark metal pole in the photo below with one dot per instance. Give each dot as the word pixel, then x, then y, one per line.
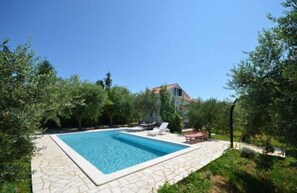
pixel 231 123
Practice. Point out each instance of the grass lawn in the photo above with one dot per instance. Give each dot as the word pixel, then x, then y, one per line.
pixel 226 137
pixel 233 173
pixel 236 136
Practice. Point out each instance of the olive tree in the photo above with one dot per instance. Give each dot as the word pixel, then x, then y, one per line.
pixel 204 114
pixel 266 81
pixel 25 98
pixel 87 100
pixel 55 97
pixel 119 104
pixel 169 112
pixel 147 104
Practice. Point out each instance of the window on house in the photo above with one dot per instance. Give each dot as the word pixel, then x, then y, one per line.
pixel 178 92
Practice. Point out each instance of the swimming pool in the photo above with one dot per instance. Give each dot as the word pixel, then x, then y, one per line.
pixel 105 155
pixel 111 151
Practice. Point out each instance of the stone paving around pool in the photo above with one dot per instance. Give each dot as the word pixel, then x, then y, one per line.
pixel 54 171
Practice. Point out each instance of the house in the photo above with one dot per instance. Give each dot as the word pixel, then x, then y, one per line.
pixel 181 97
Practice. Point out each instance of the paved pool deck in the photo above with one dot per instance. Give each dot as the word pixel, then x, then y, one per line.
pixel 54 171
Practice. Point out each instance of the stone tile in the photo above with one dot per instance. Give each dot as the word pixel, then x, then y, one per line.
pixel 38 187
pixel 114 183
pixel 91 185
pixel 56 172
pixel 116 190
pixel 105 186
pixel 141 183
pixel 46 185
pixel 142 190
pixel 123 181
pixel 43 191
pixel 73 190
pixel 83 188
pixel 95 190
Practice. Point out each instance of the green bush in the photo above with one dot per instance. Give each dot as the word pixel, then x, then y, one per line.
pixel 18 112
pixel 268 147
pixel 247 152
pixel 28 98
pixel 174 123
pixel 193 183
pixel 167 188
pixel 168 111
pixel 264 162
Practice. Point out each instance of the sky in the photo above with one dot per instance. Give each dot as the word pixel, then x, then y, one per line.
pixel 143 44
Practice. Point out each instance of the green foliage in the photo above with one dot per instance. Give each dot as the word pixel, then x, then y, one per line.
pixel 247 152
pixel 167 188
pixel 100 83
pixel 16 106
pixel 268 147
pixel 20 185
pixel 194 183
pixel 168 111
pixel 195 114
pixel 221 124
pixel 226 136
pixel 264 162
pixel 108 81
pixel 210 115
pixel 119 105
pixel 87 100
pixel 266 82
pixel 24 103
pixel 53 98
pixel 147 104
pixel 238 174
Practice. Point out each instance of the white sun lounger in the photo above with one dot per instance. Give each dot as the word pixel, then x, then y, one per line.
pixel 159 131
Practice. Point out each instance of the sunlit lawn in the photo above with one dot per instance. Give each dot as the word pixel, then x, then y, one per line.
pixel 233 173
pixel 226 136
pixel 236 136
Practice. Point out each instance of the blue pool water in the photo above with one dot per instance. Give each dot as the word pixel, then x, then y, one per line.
pixel 111 151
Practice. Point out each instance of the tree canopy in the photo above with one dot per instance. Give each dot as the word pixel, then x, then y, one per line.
pixel 27 89
pixel 211 115
pixel 169 112
pixel 87 100
pixel 266 81
pixel 147 105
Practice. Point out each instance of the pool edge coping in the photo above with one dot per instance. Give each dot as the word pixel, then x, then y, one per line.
pixel 97 177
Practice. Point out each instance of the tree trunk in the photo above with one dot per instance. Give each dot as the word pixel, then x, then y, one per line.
pixel 79 122
pixel 209 133
pixel 110 119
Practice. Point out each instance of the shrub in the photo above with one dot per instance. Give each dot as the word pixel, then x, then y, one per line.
pixel 193 183
pixel 247 152
pixel 174 123
pixel 167 188
pixel 208 174
pixel 264 162
pixel 268 147
pixel 168 111
pixel 196 183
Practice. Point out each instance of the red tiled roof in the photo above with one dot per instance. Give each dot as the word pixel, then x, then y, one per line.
pixel 169 86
